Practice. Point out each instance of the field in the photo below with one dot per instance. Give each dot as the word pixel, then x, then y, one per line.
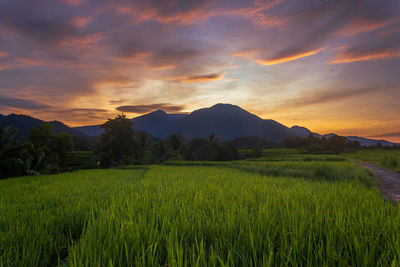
pixel 282 209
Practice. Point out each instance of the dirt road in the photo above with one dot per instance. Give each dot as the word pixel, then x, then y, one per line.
pixel 390 181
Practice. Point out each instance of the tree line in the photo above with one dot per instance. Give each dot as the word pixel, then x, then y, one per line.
pixel 334 144
pixel 120 145
pixel 44 151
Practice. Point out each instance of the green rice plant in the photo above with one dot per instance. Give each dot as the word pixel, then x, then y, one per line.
pixel 195 163
pixel 40 216
pixel 315 170
pixel 218 216
pixel 383 158
pixel 390 161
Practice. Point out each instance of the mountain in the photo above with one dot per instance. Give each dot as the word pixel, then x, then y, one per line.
pixel 226 121
pixel 24 123
pixel 369 142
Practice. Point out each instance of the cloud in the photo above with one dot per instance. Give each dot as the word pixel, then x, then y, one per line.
pixel 22 103
pixel 312 97
pixel 371 47
pixel 286 57
pixel 140 109
pixel 386 135
pixel 199 78
pixel 187 12
pixel 29 20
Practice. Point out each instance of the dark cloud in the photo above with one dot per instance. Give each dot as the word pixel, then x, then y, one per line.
pixel 140 109
pixel 203 78
pixel 312 23
pixel 386 135
pixel 313 97
pixel 47 22
pixel 371 47
pixel 13 102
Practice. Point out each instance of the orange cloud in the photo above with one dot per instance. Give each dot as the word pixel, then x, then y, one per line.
pixel 360 26
pixel 349 57
pixel 255 13
pixel 199 78
pixel 274 61
pixel 81 21
pixel 164 67
pixel 246 53
pixel 3 54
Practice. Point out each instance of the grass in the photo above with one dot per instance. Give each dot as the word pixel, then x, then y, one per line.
pixel 383 158
pixel 217 216
pixel 40 216
pixel 292 212
pixel 314 170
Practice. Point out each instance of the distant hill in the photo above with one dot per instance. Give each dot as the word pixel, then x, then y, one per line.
pixel 369 142
pixel 226 121
pixel 24 123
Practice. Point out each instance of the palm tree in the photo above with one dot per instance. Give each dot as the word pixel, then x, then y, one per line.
pixel 12 152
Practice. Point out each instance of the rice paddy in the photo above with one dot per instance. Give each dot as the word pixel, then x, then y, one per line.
pixel 259 213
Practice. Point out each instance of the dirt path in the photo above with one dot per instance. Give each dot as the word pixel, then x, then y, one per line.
pixel 390 181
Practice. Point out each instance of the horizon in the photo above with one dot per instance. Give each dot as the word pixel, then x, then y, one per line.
pixel 188 113
pixel 83 61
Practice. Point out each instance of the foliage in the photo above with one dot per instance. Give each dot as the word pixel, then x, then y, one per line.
pixel 177 144
pixel 383 158
pixel 78 160
pixel 82 144
pixel 49 150
pixel 312 144
pixel 142 145
pixel 160 152
pixel 210 150
pixel 116 145
pixel 12 152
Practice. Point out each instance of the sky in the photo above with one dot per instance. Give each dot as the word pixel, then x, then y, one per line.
pixel 328 65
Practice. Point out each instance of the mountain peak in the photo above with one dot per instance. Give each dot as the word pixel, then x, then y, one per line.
pixel 223 106
pixel 158 112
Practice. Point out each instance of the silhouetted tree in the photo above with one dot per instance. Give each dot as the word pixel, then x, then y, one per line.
pixel 209 149
pixel 143 143
pixel 48 148
pixel 12 152
pixel 177 143
pixel 82 144
pixel 160 152
pixel 336 144
pixel 116 144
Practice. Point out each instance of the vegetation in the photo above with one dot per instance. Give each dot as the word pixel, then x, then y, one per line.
pixel 42 216
pixel 116 145
pixel 43 151
pixel 49 150
pixel 12 153
pixel 334 144
pixel 384 158
pixel 199 216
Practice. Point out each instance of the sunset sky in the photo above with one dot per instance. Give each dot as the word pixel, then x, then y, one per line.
pixel 331 66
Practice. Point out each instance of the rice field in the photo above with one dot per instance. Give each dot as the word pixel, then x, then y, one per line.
pixel 314 213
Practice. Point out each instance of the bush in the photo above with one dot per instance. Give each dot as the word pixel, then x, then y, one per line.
pixel 390 161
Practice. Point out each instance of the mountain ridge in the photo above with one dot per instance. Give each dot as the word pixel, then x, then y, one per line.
pixel 172 124
pixel 227 121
